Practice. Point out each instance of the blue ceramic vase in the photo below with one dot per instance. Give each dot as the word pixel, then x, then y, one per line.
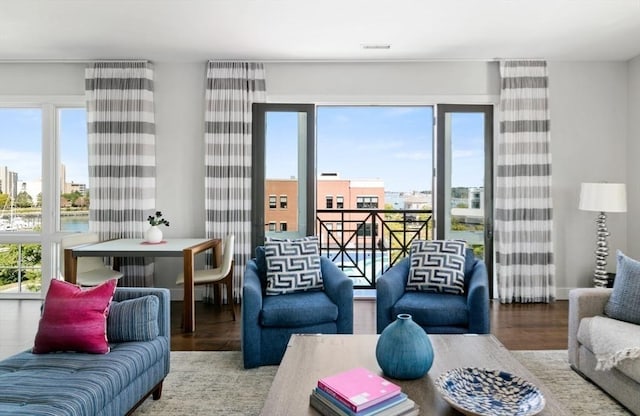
pixel 404 350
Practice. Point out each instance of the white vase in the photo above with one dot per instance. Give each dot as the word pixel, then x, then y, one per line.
pixel 153 235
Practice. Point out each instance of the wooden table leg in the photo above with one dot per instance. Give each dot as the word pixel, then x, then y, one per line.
pixel 70 266
pixel 188 309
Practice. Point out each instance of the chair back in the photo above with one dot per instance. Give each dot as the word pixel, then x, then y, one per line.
pixel 84 263
pixel 227 254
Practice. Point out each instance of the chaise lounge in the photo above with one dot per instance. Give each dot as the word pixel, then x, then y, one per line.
pixel 84 384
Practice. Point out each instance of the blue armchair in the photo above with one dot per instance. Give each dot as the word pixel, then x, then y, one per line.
pixel 269 321
pixel 437 313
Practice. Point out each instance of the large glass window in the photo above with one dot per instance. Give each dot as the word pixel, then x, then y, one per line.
pixel 74 172
pixel 43 188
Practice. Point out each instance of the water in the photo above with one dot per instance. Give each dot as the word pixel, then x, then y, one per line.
pixel 75 224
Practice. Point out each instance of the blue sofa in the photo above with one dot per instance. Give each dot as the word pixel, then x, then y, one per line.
pixel 79 384
pixel 436 313
pixel 269 321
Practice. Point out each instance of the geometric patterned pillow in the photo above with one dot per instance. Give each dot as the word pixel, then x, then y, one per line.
pixel 437 266
pixel 292 265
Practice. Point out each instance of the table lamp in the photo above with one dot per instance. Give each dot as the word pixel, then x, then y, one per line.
pixel 602 197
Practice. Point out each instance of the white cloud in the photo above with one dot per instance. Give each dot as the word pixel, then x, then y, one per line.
pixel 380 144
pixel 412 155
pixel 401 111
pixel 463 154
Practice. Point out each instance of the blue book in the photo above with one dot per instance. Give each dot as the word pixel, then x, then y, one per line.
pixel 370 411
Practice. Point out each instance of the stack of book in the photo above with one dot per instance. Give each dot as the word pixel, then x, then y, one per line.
pixel 360 392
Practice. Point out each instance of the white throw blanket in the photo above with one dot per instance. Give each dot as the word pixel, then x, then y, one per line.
pixel 613 341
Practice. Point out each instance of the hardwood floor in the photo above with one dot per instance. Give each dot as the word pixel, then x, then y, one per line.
pixel 517 326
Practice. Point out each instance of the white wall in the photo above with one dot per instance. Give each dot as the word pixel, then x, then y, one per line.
pixel 633 156
pixel 588 111
pixel 588 105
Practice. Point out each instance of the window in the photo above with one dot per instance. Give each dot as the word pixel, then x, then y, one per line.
pixel 272 226
pixel 283 201
pixel 366 229
pixel 367 202
pixel 43 187
pixel 329 202
pixel 340 202
pixel 283 226
pixel 272 201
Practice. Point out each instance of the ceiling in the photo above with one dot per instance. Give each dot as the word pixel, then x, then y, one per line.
pixel 301 30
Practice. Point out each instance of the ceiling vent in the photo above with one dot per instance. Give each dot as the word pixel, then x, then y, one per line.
pixel 376 46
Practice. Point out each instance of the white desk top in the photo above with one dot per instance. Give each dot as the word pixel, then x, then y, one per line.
pixel 136 247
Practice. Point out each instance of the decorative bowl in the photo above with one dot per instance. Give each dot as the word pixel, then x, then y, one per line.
pixel 479 391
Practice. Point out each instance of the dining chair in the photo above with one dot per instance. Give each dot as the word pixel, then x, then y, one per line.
pixel 221 275
pixel 91 270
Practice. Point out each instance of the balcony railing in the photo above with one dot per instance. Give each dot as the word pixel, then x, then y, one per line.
pixel 365 243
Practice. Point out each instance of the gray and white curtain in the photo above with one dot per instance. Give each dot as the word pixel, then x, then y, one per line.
pixel 523 216
pixel 232 88
pixel 122 164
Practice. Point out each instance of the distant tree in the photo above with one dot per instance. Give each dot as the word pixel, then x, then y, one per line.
pixel 462 205
pixel 4 200
pixel 24 200
pixel 39 199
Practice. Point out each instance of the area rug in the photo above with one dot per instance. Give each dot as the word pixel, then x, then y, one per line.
pixel 214 383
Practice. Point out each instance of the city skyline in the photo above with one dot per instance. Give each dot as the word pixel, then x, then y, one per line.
pixel 21 143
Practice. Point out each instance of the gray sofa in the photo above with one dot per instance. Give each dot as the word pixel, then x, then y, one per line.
pixel 622 381
pixel 80 384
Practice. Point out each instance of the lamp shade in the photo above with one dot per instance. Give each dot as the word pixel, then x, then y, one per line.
pixel 603 197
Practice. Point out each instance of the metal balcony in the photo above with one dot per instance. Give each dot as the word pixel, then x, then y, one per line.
pixel 365 243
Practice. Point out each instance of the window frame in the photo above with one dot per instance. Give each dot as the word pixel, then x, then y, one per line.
pixel 50 235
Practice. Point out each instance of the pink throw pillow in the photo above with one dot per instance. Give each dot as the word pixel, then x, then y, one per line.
pixel 74 319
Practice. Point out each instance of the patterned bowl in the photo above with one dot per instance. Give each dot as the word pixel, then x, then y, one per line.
pixel 478 391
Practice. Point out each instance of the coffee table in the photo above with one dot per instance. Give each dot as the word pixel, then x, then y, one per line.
pixel 310 357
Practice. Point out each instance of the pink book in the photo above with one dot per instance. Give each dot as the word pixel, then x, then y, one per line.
pixel 359 388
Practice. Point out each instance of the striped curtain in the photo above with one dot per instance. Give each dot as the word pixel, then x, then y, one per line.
pixel 122 164
pixel 523 216
pixel 232 87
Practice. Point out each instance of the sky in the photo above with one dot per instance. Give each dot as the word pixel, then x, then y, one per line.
pixel 21 143
pixel 394 144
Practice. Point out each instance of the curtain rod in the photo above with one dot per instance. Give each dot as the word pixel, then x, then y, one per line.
pixel 67 61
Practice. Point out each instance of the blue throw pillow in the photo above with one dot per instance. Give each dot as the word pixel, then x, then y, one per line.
pixel 437 266
pixel 624 303
pixel 133 319
pixel 292 265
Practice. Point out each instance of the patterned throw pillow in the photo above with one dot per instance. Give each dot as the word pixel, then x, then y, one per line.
pixel 292 265
pixel 437 266
pixel 624 304
pixel 133 319
pixel 74 319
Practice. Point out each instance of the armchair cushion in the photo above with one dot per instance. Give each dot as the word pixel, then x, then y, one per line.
pixel 437 266
pixel 623 303
pixel 298 309
pixel 292 265
pixel 444 309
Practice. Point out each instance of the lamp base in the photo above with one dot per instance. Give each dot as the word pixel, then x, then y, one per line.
pixel 602 251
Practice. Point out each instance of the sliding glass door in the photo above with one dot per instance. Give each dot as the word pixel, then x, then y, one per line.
pixel 283 171
pixel 464 201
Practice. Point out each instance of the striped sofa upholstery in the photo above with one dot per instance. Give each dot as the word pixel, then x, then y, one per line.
pixel 78 384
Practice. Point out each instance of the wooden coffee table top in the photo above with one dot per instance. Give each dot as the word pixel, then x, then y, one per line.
pixel 310 357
